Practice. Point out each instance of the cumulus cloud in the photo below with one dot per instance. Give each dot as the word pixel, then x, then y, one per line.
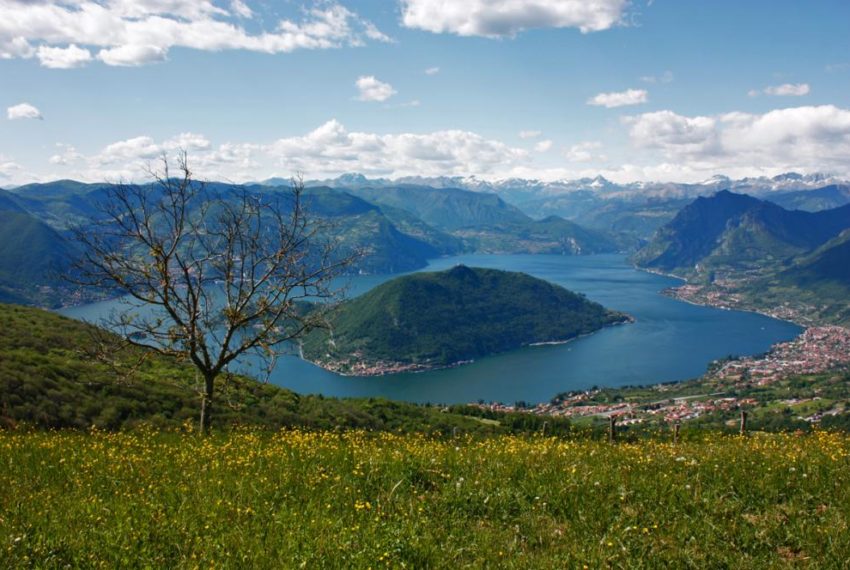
pixel 583 152
pixel 241 9
pixel 530 134
pixel 331 148
pixel 372 89
pixel 620 99
pixel 11 171
pixel 809 138
pixel 23 111
pixel 63 58
pixel 135 148
pixel 328 150
pixel 188 142
pixel 666 146
pixel 674 133
pixel 63 34
pixel 788 89
pixel 132 55
pixel 67 155
pixel 432 71
pixel 500 18
pixel 543 146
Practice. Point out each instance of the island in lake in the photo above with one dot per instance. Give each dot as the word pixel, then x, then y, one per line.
pixel 441 319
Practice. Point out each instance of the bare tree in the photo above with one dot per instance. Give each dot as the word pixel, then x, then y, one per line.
pixel 212 274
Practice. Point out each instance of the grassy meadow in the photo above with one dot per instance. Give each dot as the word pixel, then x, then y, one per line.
pixel 295 498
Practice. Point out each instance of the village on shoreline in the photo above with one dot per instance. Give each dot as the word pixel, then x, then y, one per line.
pixel 816 350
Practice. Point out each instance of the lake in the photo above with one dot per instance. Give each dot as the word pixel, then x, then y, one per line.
pixel 671 340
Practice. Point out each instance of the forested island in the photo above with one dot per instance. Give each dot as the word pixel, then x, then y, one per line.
pixel 441 319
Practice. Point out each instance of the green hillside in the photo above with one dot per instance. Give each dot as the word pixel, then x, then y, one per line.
pixel 392 241
pixel 818 282
pixel 32 259
pixel 485 223
pixel 446 208
pixel 49 379
pixel 551 235
pixel 438 319
pixel 733 232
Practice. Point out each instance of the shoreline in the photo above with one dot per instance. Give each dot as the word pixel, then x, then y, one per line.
pixel 671 292
pixel 386 368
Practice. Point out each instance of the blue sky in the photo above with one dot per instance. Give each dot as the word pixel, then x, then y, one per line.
pixel 661 90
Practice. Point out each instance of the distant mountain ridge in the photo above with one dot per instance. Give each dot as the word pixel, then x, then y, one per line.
pixel 828 197
pixel 743 252
pixel 398 229
pixel 731 231
pixel 514 187
pixel 633 210
pixel 484 222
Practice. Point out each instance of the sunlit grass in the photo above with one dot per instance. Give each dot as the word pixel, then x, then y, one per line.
pixel 356 499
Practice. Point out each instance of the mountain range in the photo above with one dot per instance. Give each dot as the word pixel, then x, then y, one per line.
pixel 632 210
pixel 398 228
pixel 735 232
pixel 759 254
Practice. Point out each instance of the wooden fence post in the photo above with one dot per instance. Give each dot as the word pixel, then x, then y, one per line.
pixel 612 428
pixel 743 422
pixel 676 427
pixel 545 425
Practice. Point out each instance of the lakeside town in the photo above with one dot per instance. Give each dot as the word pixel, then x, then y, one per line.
pixel 814 351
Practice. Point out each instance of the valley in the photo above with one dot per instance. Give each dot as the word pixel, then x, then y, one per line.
pixel 736 252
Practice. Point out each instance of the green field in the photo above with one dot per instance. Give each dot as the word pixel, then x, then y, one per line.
pixel 320 499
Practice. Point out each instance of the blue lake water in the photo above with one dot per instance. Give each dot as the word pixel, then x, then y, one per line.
pixel 671 340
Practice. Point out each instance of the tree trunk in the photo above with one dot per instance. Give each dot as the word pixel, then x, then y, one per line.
pixel 206 404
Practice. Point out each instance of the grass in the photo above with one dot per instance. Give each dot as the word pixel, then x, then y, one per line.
pixel 321 499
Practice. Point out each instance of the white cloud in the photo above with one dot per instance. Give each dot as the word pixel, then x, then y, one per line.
pixel 15 47
pixel 11 171
pixel 499 18
pixel 372 89
pixel 328 150
pixel 23 111
pixel 784 90
pixel 620 99
pixel 63 34
pixel 543 146
pixel 666 146
pixel 666 77
pixel 241 9
pixel 136 148
pixel 331 148
pixel 808 139
pixel 68 155
pixel 63 58
pixel 529 134
pixel 432 71
pixel 668 131
pixel 132 55
pixel 188 142
pixel 583 152
pixel 789 89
